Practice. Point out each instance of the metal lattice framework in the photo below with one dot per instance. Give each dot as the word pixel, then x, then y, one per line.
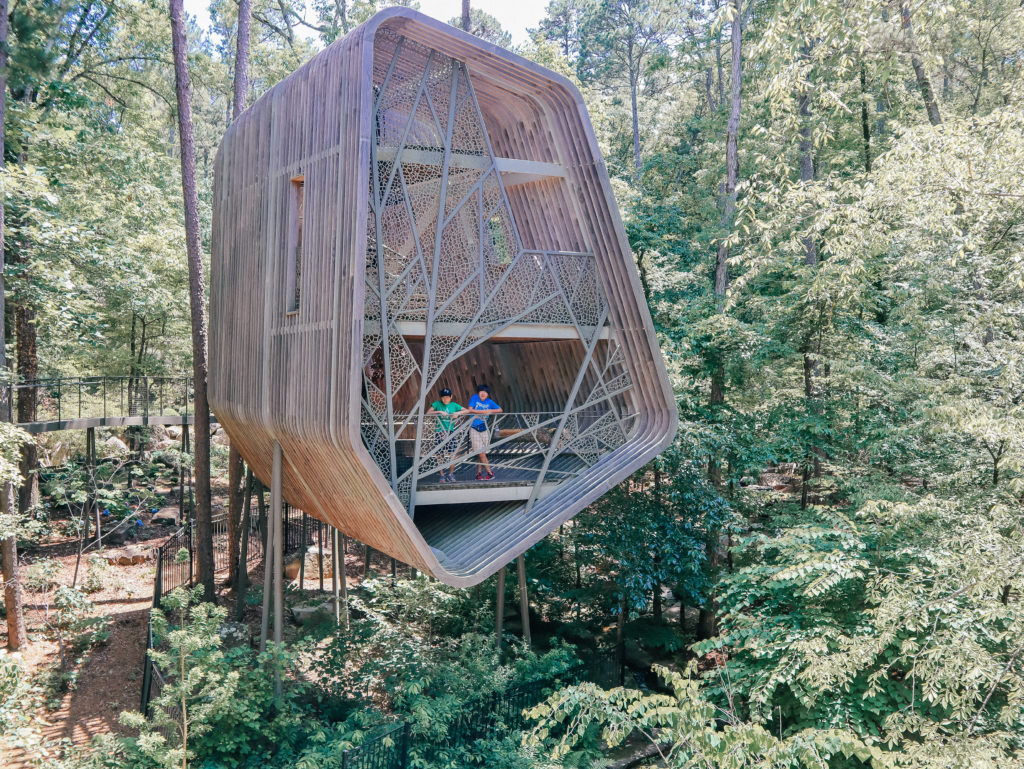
pixel 444 254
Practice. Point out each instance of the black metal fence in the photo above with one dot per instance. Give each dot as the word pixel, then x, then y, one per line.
pixel 172 572
pixel 387 750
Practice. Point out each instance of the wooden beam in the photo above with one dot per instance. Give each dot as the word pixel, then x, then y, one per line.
pixel 513 170
pixel 412 329
pixel 453 495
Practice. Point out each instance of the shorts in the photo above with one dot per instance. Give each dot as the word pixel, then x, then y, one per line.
pixel 447 444
pixel 479 440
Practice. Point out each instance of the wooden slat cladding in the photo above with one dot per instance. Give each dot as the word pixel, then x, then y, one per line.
pixel 297 377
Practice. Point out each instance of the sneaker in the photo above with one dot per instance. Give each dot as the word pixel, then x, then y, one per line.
pixel 479 476
pixel 489 476
pixel 451 478
pixel 443 478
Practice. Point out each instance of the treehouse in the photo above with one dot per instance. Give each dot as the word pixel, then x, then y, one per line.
pixel 415 209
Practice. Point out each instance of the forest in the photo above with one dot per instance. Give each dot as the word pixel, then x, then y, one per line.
pixel 825 569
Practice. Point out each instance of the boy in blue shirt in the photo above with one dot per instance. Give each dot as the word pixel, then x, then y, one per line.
pixel 479 434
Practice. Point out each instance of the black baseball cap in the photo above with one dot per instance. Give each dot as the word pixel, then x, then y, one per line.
pixel 445 392
pixel 483 387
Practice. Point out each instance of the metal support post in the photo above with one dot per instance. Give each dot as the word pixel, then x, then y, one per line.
pixel 499 613
pixel 524 605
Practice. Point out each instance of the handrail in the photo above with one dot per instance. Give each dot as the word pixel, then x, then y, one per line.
pixel 516 439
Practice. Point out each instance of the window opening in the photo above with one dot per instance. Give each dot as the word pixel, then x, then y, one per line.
pixel 298 204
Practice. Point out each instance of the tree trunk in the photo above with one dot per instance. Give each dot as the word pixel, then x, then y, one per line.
pixel 242 569
pixel 811 363
pixel 28 370
pixel 924 83
pixel 241 82
pixel 634 78
pixel 706 622
pixel 16 636
pixel 197 301
pixel 236 490
pixel 465 16
pixel 865 124
pixel 732 164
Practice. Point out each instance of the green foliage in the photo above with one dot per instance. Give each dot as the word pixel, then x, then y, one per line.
pixel 688 729
pixel 218 705
pixel 98 574
pixel 893 623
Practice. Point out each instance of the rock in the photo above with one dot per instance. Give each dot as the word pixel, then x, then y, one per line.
pixel 636 657
pixel 115 445
pixel 306 615
pixel 165 516
pixel 777 482
pixel 291 565
pixel 59 455
pixel 118 537
pixel 130 556
pixel 163 444
pixel 220 439
pixel 173 432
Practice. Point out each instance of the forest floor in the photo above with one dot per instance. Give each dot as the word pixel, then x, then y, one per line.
pixel 109 676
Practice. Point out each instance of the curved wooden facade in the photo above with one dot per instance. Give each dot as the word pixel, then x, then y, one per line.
pixel 414 209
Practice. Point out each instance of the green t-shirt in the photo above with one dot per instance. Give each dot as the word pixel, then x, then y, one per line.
pixel 444 425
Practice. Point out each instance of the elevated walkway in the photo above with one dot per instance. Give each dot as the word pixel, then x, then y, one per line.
pixel 80 403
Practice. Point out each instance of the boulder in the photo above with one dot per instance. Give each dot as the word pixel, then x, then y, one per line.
pixel 173 432
pixel 163 443
pixel 118 537
pixel 220 438
pixel 115 445
pixel 306 615
pixel 165 516
pixel 777 481
pixel 129 556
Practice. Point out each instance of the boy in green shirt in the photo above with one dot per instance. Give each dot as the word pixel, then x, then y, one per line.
pixel 444 437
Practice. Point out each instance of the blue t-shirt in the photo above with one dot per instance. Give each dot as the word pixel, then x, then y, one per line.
pixel 476 403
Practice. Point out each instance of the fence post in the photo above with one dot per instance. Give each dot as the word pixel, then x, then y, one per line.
pixel 147 670
pixel 403 753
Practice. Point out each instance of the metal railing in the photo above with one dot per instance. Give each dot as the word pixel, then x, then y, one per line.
pixel 101 397
pixel 517 441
